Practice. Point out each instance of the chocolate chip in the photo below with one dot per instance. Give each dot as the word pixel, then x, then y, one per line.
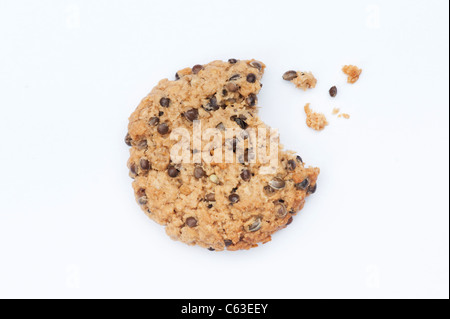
pixel 161 113
pixel 299 159
pixel 163 129
pixel 142 200
pixel 269 191
pixel 289 221
pixel 228 242
pixel 280 210
pixel 191 222
pixel 173 172
pixel 246 175
pixel 145 164
pixel 128 139
pixel 256 64
pixel 291 165
pixel 234 190
pixel 234 77
pixel 211 249
pixel 199 172
pixel 290 75
pixel 210 197
pixel 224 92
pixel 277 183
pixel 191 115
pixel 234 198
pixel 232 87
pixel 165 102
pixel 251 99
pixel 333 91
pixel 177 76
pixel 256 225
pixel 210 206
pixel 251 78
pixel 153 121
pixel 232 61
pixel 197 68
pixel 303 185
pixel 312 189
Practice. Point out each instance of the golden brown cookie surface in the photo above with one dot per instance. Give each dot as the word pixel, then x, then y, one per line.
pixel 215 204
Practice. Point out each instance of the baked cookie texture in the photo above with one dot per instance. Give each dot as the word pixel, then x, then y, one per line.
pixel 214 205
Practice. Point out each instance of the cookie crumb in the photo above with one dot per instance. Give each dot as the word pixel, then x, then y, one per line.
pixel 344 115
pixel 316 121
pixel 353 73
pixel 335 111
pixel 302 80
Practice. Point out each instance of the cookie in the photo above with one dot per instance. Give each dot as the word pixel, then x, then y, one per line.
pixel 211 203
pixel 352 72
pixel 302 80
pixel 316 121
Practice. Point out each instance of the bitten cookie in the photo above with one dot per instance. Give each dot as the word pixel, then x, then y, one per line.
pixel 216 205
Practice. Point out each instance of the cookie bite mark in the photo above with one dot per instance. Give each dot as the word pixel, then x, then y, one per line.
pixel 302 80
pixel 353 73
pixel 316 121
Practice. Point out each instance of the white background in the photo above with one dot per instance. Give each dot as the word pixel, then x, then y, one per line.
pixel 71 72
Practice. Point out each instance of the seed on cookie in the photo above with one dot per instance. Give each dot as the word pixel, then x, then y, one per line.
pixel 240 121
pixel 214 179
pixel 142 200
pixel 173 172
pixel 246 175
pixel 277 183
pixel 269 191
pixel 289 75
pixel 280 210
pixel 177 76
pixel 145 164
pixel 299 159
pixel 191 115
pixel 153 121
pixel 210 197
pixel 142 144
pixel 220 127
pixel 251 99
pixel 231 87
pixel 251 78
pixel 133 169
pixel 256 225
pixel 199 172
pixel 212 105
pixel 211 249
pixel 164 102
pixel 312 189
pixel 228 242
pixel 191 222
pixel 291 165
pixel 234 198
pixel 197 68
pixel 303 185
pixel 234 77
pixel 128 139
pixel 140 192
pixel 163 129
pixel 289 221
pixel 232 61
pixel 256 64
